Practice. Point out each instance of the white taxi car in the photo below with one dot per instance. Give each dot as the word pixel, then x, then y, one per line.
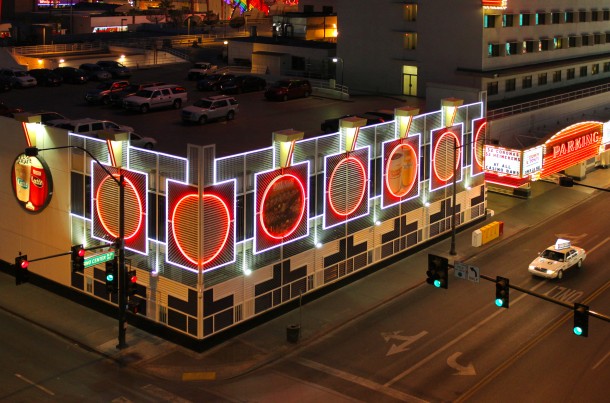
pixel 556 259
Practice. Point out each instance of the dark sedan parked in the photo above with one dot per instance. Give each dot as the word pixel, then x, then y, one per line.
pixel 95 72
pixel 245 83
pixel 284 90
pixel 46 77
pixel 72 75
pixel 212 82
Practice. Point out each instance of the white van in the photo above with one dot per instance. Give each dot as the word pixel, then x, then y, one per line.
pixel 163 96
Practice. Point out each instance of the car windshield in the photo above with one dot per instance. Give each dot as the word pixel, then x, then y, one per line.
pixel 553 255
pixel 21 74
pixel 144 93
pixel 203 103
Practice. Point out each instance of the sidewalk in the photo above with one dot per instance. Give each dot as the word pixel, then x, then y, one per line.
pixel 268 341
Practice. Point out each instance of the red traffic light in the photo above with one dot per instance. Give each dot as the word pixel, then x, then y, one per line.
pixel 24 263
pixel 80 252
pixel 133 279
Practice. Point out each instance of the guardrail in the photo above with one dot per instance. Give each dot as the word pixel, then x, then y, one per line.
pixel 59 48
pixel 546 102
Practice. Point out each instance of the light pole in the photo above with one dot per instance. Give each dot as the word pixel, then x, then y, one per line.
pixel 119 242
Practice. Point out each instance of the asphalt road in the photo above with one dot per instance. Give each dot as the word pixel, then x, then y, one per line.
pixel 251 129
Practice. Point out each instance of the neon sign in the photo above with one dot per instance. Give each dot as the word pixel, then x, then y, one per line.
pixel 401 170
pixel 446 143
pixel 478 145
pixel 32 183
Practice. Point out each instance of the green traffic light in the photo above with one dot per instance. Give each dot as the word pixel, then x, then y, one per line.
pixel 577 330
pixel 499 302
pixel 109 277
pixel 437 283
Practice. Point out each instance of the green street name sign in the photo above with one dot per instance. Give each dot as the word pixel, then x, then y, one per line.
pixel 101 258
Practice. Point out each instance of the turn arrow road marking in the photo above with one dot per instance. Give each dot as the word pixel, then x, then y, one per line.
pixel 452 362
pixel 406 341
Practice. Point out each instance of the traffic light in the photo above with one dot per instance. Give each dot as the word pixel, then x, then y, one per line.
pixel 502 292
pixel 112 276
pixel 132 283
pixel 581 320
pixel 78 258
pixel 133 305
pixel 438 267
pixel 21 269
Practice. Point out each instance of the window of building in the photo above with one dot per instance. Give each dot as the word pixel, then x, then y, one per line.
pixel 555 17
pixel 595 15
pixel 511 48
pixel 570 73
pixel 606 15
pixel 492 88
pixel 594 69
pixel 410 40
pixel 507 20
pixel 583 71
pixel 545 44
pixel 582 16
pixel 585 39
pixel 606 67
pixel 542 79
pixel 607 37
pixel 411 12
pixel 526 82
pixel 510 85
pixel 524 20
pixel 597 38
pixel 568 16
pixel 557 42
pixel 572 42
pixel 557 76
pixel 540 18
pixel 489 21
pixel 493 50
pixel 528 46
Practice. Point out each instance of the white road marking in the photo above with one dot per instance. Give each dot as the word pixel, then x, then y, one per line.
pixel 163 394
pixel 602 360
pixel 45 390
pixel 359 380
pixel 462 370
pixel 456 340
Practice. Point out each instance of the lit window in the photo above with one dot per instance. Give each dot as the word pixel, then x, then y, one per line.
pixel 511 48
pixel 524 20
pixel 594 69
pixel 493 50
pixel 540 18
pixel 569 16
pixel 507 20
pixel 489 21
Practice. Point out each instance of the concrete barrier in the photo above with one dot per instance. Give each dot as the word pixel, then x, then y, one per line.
pixel 487 233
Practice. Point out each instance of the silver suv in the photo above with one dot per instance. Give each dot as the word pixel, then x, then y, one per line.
pixel 211 108
pixel 163 96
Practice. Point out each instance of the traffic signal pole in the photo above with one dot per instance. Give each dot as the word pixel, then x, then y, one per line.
pixel 122 269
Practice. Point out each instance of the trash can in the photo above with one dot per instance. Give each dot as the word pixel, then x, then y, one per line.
pixel 292 333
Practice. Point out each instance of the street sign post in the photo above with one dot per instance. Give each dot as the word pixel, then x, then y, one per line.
pixel 460 269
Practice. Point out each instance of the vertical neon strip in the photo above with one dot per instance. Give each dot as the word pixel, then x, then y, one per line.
pixel 410 121
pixel 290 153
pixel 26 132
pixel 111 149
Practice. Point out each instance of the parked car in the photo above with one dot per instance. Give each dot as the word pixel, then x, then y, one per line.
pixel 95 72
pixel 201 69
pixel 18 78
pixel 8 111
pixel 72 75
pixel 143 142
pixel 116 98
pixel 284 90
pixel 6 84
pixel 556 259
pixel 245 83
pixel 332 125
pixel 46 77
pixel 101 94
pixel 212 82
pixel 211 108
pixel 163 96
pixel 88 125
pixel 115 68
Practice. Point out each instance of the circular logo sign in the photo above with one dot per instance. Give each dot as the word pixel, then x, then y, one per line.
pixel 32 183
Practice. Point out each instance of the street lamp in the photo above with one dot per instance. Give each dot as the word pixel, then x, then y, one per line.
pixel 449 107
pixel 119 242
pixel 337 60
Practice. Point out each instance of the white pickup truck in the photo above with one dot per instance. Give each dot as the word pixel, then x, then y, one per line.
pixel 200 69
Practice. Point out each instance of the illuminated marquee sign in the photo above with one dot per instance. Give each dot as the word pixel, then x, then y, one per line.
pixel 32 183
pixel 570 146
pixel 401 170
pixel 532 160
pixel 495 4
pixel 444 164
pixel 282 209
pixel 214 209
pixel 503 160
pixel 479 128
pixel 105 207
pixel 346 195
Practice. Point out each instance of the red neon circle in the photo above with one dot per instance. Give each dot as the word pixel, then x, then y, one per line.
pixel 276 209
pixel 99 210
pixel 404 189
pixel 348 160
pixel 457 157
pixel 206 199
pixel 479 156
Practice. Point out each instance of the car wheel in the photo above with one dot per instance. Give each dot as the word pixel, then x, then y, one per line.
pixel 148 146
pixel 559 274
pixel 579 264
pixel 307 94
pixel 203 120
pixel 230 115
pixel 285 98
pixel 106 100
pixel 144 108
pixel 177 104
